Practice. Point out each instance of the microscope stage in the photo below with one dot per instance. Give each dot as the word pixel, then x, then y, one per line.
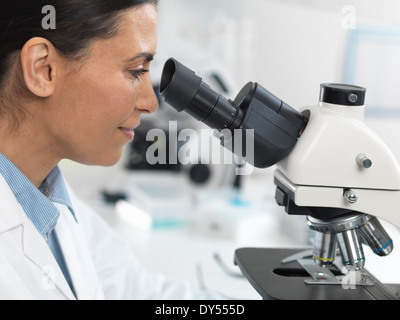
pixel 277 281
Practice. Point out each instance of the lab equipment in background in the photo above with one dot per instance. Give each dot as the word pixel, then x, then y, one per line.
pixel 331 168
pixel 230 214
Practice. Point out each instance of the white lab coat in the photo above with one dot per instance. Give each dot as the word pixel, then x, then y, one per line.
pixel 101 265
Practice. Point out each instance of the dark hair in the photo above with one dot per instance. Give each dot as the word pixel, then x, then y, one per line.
pixel 78 22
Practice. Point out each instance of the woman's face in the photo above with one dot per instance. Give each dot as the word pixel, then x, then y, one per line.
pixel 96 109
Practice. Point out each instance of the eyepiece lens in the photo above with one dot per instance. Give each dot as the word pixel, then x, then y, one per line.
pixel 168 73
pixel 179 85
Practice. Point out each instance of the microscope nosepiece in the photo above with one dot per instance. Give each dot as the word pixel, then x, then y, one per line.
pixel 349 232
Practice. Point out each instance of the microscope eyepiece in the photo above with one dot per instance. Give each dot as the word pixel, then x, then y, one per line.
pixel 179 85
pixel 185 91
pixel 275 125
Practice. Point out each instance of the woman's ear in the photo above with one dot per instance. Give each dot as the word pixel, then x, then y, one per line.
pixel 39 66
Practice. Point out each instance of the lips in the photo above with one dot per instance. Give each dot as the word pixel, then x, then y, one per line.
pixel 128 132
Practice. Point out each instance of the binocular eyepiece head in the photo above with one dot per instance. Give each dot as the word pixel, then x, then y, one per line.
pixel 273 125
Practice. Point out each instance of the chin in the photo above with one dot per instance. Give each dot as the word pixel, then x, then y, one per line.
pixel 107 164
pixel 106 160
pixel 110 162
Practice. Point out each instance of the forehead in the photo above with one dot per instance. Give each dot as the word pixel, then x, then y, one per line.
pixel 139 22
pixel 137 33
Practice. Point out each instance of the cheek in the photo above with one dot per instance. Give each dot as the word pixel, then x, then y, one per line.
pixel 111 102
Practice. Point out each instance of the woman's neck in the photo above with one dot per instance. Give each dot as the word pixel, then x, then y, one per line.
pixel 27 148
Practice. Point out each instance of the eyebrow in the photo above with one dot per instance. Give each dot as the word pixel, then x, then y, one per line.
pixel 147 55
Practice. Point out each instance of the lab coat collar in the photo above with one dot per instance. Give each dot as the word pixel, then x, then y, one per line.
pixel 9 221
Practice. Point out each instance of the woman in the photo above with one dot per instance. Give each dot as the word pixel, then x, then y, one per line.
pixel 74 83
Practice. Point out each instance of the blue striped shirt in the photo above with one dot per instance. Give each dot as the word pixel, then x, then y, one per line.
pixel 37 204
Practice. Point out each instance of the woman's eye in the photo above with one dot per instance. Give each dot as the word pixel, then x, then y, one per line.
pixel 138 73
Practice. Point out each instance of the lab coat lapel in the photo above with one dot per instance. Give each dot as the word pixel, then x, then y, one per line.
pixel 37 250
pixel 34 246
pixel 77 257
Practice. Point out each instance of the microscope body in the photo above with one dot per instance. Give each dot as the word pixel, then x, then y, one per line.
pixel 331 167
pixel 337 153
pixel 343 177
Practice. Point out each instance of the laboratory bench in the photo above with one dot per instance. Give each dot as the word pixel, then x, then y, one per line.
pixel 189 251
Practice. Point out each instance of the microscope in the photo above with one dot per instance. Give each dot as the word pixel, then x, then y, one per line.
pixel 331 168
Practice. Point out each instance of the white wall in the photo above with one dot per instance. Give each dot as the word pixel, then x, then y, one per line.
pixel 297 48
pixel 288 46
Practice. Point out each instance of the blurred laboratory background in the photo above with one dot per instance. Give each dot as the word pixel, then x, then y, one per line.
pixel 187 219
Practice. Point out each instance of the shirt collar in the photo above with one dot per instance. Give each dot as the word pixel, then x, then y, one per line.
pixel 38 205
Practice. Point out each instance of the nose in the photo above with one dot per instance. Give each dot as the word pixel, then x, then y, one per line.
pixel 147 101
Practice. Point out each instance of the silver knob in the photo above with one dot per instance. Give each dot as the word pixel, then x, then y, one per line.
pixel 363 161
pixel 350 196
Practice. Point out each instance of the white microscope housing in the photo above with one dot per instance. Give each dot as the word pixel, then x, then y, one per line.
pixel 343 177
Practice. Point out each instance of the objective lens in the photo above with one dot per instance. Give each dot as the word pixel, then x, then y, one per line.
pixel 351 232
pixel 376 237
pixel 351 249
pixel 324 248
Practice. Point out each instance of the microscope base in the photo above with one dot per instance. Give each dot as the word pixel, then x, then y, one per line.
pixel 264 270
